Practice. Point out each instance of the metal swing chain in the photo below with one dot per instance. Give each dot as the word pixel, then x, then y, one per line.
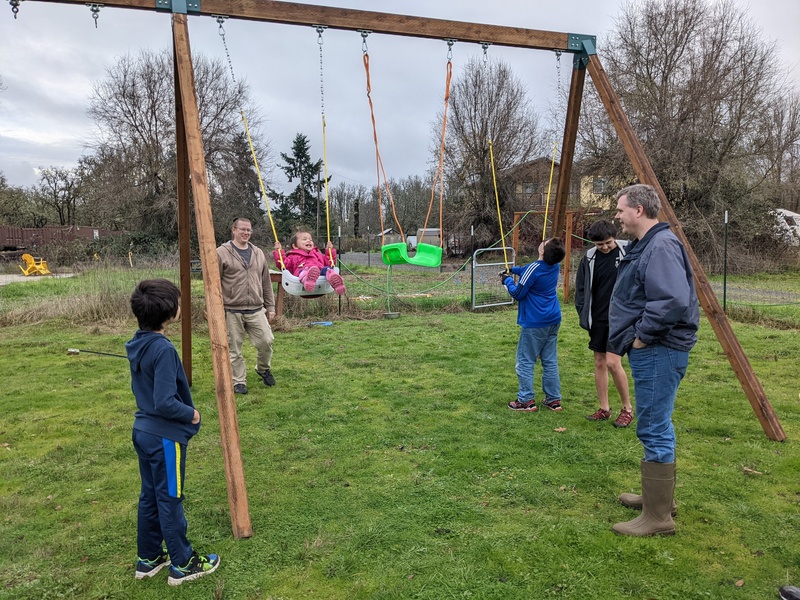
pixel 559 87
pixel 14 7
pixel 558 74
pixel 220 20
pixel 320 30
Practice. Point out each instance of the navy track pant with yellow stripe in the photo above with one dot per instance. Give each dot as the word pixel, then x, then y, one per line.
pixel 162 465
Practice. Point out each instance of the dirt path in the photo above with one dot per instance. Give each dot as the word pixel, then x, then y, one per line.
pixel 4 279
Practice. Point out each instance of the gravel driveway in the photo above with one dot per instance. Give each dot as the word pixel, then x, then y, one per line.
pixel 4 279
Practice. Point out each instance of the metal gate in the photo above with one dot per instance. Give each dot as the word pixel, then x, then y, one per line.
pixel 487 289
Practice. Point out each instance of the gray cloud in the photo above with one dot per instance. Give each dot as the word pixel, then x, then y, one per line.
pixel 51 55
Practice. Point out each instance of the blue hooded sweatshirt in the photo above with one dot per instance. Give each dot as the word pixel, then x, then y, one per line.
pixel 160 387
pixel 536 294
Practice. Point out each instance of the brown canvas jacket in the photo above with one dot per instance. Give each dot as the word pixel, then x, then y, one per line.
pixel 244 287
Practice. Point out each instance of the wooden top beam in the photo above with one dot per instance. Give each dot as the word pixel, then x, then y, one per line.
pixel 292 13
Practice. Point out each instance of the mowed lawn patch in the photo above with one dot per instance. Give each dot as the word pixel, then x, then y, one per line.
pixel 384 464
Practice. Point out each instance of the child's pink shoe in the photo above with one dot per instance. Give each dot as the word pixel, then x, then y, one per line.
pixel 309 278
pixel 336 281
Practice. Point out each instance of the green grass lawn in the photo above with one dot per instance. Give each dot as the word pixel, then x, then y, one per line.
pixel 385 465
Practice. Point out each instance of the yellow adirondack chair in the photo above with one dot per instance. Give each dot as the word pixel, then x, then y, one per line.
pixel 34 266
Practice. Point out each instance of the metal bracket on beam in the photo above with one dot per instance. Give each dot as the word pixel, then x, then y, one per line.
pixel 14 7
pixel 182 7
pixel 583 46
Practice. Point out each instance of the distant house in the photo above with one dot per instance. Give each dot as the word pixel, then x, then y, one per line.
pixel 388 236
pixel 529 182
pixel 598 191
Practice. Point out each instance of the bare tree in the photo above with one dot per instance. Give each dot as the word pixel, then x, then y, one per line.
pixel 18 206
pixel 488 104
pixel 60 190
pixel 412 199
pixel 703 92
pixel 133 167
pixel 345 204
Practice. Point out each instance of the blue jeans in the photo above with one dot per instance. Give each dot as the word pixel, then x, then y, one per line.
pixel 541 342
pixel 657 371
pixel 162 465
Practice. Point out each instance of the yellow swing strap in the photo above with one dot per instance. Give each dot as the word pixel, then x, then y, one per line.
pixel 261 184
pixel 497 202
pixel 220 21
pixel 320 29
pixel 549 187
pixel 327 201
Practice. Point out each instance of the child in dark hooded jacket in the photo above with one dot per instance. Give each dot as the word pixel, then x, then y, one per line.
pixel 164 423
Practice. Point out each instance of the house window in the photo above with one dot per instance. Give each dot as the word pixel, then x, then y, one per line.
pixel 530 188
pixel 600 185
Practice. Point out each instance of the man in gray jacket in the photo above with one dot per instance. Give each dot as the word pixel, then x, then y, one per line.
pixel 248 301
pixel 653 317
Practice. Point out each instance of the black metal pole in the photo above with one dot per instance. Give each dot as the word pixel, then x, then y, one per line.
pixel 725 268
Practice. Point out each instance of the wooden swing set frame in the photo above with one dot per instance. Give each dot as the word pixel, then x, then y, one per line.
pixel 190 161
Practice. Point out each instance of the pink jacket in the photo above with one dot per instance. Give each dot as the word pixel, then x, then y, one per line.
pixel 298 259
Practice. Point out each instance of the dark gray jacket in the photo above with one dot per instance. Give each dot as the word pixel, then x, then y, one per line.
pixel 583 283
pixel 654 298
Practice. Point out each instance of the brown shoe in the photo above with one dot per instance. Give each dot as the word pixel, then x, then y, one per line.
pixel 624 419
pixel 600 415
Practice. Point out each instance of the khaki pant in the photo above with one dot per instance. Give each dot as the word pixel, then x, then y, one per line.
pixel 260 333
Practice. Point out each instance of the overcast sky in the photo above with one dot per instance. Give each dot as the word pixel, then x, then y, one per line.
pixel 51 55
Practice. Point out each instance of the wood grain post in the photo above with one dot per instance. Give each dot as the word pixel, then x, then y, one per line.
pixel 568 257
pixel 228 422
pixel 568 150
pixel 182 160
pixel 719 321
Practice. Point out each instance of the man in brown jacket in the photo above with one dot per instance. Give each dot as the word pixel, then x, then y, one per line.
pixel 249 303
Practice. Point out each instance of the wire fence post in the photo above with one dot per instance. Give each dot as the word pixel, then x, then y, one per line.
pixel 725 267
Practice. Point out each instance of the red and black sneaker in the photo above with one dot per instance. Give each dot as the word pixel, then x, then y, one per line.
pixel 553 404
pixel 529 406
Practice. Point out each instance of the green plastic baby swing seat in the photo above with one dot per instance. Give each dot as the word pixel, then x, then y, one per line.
pixel 427 255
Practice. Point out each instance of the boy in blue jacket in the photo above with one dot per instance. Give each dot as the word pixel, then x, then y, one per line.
pixel 539 316
pixel 164 423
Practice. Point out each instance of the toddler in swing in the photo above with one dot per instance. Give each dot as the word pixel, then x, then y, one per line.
pixel 306 262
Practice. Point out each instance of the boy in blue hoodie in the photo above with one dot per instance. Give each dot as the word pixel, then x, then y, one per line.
pixel 539 316
pixel 164 423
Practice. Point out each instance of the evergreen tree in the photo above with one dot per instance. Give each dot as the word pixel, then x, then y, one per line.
pixel 302 201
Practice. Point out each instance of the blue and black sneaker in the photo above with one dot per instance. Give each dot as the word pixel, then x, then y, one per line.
pixel 197 567
pixel 147 568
